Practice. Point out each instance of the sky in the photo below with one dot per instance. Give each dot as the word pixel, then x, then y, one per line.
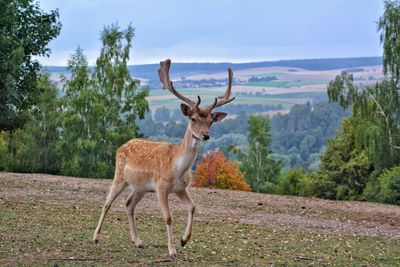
pixel 220 30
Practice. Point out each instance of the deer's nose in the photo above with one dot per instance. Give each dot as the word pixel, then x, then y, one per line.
pixel 206 136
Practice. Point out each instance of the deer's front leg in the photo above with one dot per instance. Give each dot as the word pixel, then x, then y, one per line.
pixel 163 199
pixel 187 200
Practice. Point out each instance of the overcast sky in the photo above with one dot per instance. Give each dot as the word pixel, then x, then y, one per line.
pixel 221 30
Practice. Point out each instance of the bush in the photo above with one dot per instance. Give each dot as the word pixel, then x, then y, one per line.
pixel 371 192
pixel 3 151
pixel 289 181
pixel 268 188
pixel 316 185
pixel 389 186
pixel 214 170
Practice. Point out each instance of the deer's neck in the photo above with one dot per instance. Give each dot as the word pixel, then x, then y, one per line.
pixel 187 152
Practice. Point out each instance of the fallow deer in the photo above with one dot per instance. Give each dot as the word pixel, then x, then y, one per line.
pixel 161 167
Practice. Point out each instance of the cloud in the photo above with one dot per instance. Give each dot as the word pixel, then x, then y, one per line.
pixel 73 5
pixel 220 30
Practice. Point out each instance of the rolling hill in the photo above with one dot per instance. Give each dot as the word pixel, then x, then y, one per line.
pixel 284 83
pixel 149 71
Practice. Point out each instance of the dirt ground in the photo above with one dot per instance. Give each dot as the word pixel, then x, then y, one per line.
pixel 317 215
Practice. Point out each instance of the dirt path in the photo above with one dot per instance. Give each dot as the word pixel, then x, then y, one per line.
pixel 316 215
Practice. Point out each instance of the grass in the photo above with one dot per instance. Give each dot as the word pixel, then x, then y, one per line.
pixel 49 221
pixel 37 234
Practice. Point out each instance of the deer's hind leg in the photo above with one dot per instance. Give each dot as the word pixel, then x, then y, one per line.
pixel 131 203
pixel 116 188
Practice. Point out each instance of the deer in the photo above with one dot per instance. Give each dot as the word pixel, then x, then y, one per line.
pixel 161 167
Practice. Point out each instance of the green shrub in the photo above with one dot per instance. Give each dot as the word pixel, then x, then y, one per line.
pixel 389 186
pixel 371 192
pixel 268 188
pixel 316 185
pixel 289 181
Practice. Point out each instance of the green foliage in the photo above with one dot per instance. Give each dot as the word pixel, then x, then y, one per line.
pixel 79 133
pixel 100 108
pixel 289 181
pixel 389 25
pixel 82 147
pixel 261 171
pixel 316 185
pixel 387 187
pixel 376 110
pixel 369 142
pixel 296 181
pixel 25 31
pixel 300 136
pixel 345 164
pixel 344 170
pixel 124 102
pixel 33 147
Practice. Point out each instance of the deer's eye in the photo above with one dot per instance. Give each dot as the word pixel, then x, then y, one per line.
pixel 211 123
pixel 193 119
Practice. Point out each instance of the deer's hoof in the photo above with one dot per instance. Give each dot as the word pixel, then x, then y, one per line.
pixel 172 256
pixel 183 242
pixel 138 244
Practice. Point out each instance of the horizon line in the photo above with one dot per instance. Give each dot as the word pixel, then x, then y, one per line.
pixel 238 62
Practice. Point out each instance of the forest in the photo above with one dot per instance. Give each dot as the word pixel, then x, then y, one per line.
pixel 347 148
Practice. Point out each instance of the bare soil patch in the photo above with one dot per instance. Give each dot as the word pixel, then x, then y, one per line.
pixel 325 216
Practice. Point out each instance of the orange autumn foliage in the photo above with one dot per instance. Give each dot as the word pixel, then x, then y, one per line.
pixel 214 170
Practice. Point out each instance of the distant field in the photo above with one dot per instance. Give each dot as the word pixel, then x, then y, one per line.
pixel 163 98
pixel 291 86
pixel 288 83
pixel 295 82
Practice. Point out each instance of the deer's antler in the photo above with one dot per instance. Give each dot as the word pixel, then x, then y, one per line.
pixel 163 73
pixel 225 97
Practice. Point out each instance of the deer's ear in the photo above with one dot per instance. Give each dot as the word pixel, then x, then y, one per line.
pixel 218 116
pixel 186 110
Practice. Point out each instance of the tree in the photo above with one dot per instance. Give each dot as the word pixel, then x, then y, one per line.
pixel 377 112
pixel 162 115
pixel 148 127
pixel 25 31
pixel 260 169
pixel 177 115
pixel 214 170
pixel 303 132
pixel 345 165
pixel 82 147
pixel 123 99
pixel 33 147
pixel 176 130
pixel 100 108
pixel 389 25
pixel 377 107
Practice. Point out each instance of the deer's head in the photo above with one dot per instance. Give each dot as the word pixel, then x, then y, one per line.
pixel 200 119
